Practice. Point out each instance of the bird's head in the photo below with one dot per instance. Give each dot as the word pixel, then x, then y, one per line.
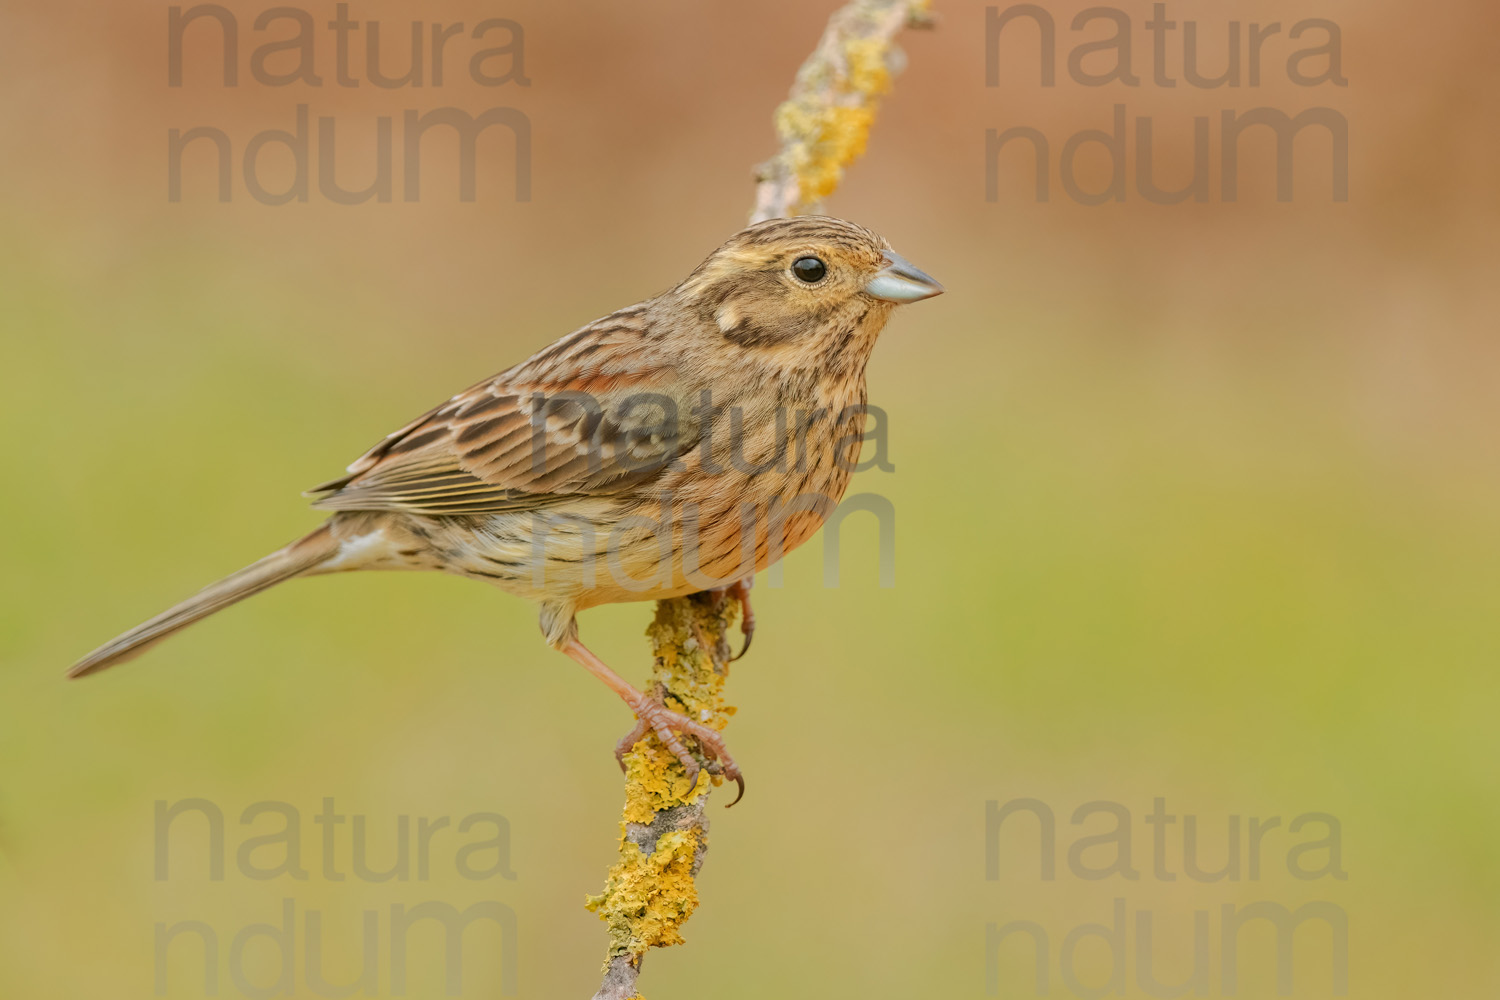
pixel 802 287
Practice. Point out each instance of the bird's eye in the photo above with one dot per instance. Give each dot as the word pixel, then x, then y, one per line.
pixel 809 269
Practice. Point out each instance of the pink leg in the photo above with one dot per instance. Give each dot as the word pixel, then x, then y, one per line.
pixel 652 715
pixel 740 591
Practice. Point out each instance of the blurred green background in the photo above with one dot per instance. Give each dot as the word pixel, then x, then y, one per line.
pixel 1193 502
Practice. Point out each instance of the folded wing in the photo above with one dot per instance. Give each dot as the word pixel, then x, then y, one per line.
pixel 589 416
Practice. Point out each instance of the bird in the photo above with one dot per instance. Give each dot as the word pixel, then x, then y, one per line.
pixel 677 445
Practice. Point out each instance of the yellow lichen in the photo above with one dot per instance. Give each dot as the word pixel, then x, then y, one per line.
pixel 868 73
pixel 831 138
pixel 646 899
pixel 826 123
pixel 654 780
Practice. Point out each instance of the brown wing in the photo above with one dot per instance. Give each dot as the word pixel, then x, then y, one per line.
pixel 592 414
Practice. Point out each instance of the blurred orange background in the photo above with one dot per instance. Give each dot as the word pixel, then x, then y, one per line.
pixel 1195 502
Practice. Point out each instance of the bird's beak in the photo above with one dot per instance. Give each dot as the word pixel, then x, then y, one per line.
pixel 900 281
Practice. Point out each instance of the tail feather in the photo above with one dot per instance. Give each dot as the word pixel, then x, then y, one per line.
pixel 281 565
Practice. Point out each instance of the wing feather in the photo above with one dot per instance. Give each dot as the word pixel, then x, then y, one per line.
pixel 593 414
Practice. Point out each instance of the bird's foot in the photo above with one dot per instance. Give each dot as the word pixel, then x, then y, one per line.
pixel 740 591
pixel 654 717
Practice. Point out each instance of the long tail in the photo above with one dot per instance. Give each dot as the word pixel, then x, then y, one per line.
pixel 283 564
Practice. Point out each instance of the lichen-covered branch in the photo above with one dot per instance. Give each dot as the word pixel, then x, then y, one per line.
pixel 664 833
pixel 825 122
pixel 650 891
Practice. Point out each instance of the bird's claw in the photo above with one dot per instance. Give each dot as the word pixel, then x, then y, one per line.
pixel 741 591
pixel 653 716
pixel 627 741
